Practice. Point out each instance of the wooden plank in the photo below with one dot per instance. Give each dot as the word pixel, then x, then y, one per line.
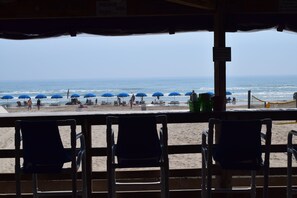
pixel 204 4
pixel 173 116
pixel 89 8
pixel 172 149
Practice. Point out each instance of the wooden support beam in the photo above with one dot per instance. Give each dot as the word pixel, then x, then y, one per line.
pixel 86 128
pixel 219 65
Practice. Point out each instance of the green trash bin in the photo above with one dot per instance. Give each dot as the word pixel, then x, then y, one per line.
pixel 194 106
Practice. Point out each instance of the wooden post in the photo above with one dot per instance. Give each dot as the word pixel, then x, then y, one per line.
pixel 87 131
pixel 249 99
pixel 220 65
pixel 224 180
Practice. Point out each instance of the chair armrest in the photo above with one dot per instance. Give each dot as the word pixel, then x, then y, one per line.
pixel 112 137
pixel 263 136
pixel 161 136
pixel 80 136
pixel 205 133
pixel 82 150
pixel 163 144
pixel 112 145
pixel 268 123
pixel 291 134
pixel 204 137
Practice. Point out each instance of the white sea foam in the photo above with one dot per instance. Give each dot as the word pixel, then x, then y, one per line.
pixel 279 88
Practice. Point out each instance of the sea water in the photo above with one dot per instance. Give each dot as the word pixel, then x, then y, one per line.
pixel 272 88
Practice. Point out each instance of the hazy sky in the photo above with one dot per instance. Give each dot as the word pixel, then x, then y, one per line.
pixel 182 54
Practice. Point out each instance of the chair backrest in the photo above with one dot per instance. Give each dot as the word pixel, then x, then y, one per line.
pixel 43 150
pixel 138 138
pixel 239 144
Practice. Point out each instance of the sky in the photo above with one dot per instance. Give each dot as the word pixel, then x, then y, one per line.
pixel 156 55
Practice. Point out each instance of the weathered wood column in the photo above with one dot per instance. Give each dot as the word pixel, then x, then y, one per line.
pixel 221 54
pixel 87 131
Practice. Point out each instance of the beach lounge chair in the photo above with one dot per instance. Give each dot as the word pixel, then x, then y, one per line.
pixel 44 153
pixel 238 147
pixel 138 145
pixel 291 150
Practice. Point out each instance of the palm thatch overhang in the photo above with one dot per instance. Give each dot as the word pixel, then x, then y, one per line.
pixel 31 19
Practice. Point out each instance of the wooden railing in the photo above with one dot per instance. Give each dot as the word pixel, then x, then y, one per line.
pixel 183 182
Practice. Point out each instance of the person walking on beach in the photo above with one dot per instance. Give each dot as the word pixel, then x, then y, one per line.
pixel 38 104
pixel 132 99
pixel 29 103
pixel 119 101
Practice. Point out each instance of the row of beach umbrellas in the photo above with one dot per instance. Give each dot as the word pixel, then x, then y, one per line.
pixel 90 95
pixel 24 96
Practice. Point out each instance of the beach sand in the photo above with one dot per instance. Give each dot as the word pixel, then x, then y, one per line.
pixel 181 134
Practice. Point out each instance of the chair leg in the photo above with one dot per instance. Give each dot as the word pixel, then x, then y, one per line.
pixel 34 185
pixel 266 181
pixel 203 176
pixel 74 184
pixel 253 184
pixel 18 184
pixel 209 180
pixel 112 183
pixel 289 175
pixel 164 182
pixel 84 177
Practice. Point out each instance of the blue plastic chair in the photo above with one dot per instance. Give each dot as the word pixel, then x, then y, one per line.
pixel 238 147
pixel 138 145
pixel 43 153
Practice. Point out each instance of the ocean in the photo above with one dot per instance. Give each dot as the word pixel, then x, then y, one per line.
pixel 273 88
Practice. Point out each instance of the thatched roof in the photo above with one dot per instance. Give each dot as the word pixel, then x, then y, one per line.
pixel 30 19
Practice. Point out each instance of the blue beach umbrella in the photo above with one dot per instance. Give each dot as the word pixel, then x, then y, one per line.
pixel 123 94
pixel 40 96
pixel 158 94
pixel 107 94
pixel 228 93
pixel 7 97
pixel 89 95
pixel 56 96
pixel 140 94
pixel 174 94
pixel 75 96
pixel 24 96
pixel 188 93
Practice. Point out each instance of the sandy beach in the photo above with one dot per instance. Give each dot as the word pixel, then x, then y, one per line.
pixel 178 134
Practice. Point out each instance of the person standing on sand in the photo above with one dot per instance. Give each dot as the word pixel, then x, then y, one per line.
pixel 38 104
pixel 119 101
pixel 132 99
pixel 29 103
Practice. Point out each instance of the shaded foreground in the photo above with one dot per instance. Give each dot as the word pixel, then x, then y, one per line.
pixel 184 148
